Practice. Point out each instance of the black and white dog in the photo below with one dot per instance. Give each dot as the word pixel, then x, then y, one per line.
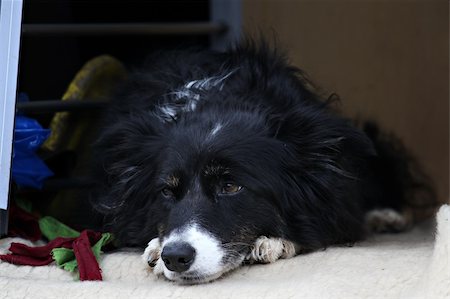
pixel 210 160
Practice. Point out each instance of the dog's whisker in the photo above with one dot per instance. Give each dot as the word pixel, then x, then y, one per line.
pixel 236 244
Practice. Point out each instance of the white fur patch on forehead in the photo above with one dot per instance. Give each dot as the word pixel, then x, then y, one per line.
pixel 209 82
pixel 216 129
pixel 188 96
pixel 209 252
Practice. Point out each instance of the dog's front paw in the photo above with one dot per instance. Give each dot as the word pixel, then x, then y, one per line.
pixel 268 250
pixel 152 256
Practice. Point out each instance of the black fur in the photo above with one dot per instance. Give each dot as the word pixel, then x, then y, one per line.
pixel 308 174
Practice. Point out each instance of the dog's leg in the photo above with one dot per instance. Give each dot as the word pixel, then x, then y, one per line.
pixel 151 256
pixel 268 250
pixel 388 220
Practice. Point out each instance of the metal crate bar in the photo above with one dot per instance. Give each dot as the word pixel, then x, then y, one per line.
pixel 50 106
pixel 198 28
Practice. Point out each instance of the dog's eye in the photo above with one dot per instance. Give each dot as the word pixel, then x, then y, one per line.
pixel 230 188
pixel 167 193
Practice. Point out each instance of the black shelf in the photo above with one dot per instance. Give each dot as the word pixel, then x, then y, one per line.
pixel 67 183
pixel 51 106
pixel 71 29
pixel 59 184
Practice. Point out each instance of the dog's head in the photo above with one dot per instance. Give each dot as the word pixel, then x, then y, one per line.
pixel 216 187
pixel 207 186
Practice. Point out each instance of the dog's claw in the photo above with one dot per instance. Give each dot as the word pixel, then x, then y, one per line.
pixel 152 263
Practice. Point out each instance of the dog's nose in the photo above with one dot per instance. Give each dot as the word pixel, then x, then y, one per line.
pixel 178 257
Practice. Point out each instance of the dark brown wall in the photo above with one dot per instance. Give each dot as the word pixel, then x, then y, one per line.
pixel 387 60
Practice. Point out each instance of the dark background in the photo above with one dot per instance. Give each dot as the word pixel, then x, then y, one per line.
pixel 49 62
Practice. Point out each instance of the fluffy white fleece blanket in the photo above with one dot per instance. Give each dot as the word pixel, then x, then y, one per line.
pixel 408 265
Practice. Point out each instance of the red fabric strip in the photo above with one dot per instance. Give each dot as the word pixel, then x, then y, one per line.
pixel 22 254
pixel 88 267
pixel 25 260
pixel 40 251
pixel 87 264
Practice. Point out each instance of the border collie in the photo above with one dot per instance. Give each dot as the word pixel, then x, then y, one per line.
pixel 210 160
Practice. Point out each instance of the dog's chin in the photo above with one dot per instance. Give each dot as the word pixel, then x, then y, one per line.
pixel 192 278
pixel 199 277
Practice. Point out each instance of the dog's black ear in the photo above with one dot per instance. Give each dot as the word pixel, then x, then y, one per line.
pixel 317 134
pixel 325 157
pixel 123 160
pixel 124 171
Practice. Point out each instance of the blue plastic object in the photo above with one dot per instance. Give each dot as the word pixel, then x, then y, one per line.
pixel 28 170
